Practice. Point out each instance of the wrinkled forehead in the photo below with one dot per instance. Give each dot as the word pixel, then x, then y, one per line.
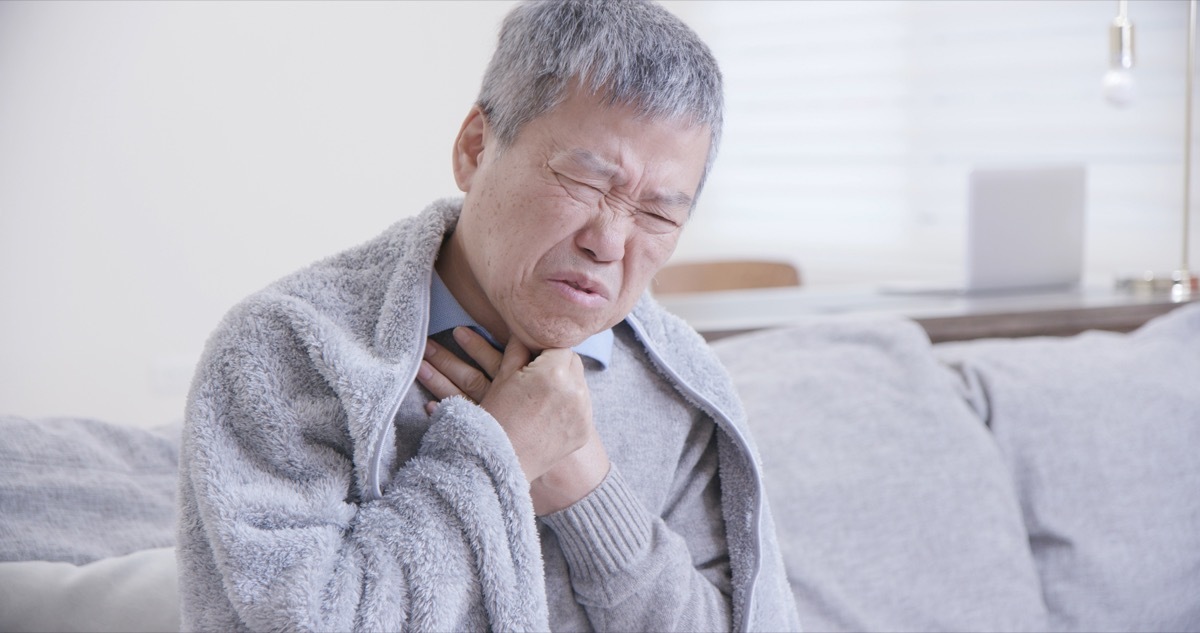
pixel 604 97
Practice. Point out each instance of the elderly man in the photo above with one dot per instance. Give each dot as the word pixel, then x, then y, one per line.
pixel 479 420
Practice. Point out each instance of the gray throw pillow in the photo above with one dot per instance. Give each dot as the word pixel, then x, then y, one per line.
pixel 893 507
pixel 1102 434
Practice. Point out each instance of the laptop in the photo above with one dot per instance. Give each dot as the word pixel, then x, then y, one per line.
pixel 1024 232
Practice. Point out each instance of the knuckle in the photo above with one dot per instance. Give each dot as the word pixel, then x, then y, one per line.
pixel 476 383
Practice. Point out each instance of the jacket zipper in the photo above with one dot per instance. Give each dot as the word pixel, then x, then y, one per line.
pixel 721 417
pixel 410 376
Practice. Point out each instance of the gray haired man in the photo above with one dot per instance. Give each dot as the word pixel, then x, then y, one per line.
pixel 480 420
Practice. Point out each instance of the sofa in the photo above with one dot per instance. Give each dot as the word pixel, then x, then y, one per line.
pixel 988 485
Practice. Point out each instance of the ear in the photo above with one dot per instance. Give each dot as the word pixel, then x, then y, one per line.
pixel 469 146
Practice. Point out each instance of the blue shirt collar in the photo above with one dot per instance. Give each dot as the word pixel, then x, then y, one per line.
pixel 445 313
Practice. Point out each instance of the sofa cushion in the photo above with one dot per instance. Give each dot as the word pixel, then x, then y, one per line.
pixel 78 490
pixel 893 507
pixel 134 592
pixel 1102 434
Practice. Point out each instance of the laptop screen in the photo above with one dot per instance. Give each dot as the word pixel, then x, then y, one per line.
pixel 1025 228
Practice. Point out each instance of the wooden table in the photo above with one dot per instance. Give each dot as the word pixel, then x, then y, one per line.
pixel 945 316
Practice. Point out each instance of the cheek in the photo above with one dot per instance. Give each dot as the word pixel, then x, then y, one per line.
pixel 647 257
pixel 510 225
pixel 556 212
pixel 659 248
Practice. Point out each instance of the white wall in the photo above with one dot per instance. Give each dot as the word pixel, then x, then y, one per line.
pixel 159 161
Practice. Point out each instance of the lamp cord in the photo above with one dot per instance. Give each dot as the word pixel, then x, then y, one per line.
pixel 1187 132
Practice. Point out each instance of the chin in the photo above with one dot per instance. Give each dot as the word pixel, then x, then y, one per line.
pixel 559 335
pixel 542 343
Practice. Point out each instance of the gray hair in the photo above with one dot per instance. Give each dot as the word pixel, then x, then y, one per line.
pixel 631 52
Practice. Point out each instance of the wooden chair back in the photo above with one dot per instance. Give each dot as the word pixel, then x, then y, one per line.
pixel 709 276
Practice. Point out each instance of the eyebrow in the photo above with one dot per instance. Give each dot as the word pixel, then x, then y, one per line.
pixel 673 199
pixel 604 169
pixel 593 163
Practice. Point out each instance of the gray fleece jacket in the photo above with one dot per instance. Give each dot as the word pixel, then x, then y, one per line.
pixel 284 523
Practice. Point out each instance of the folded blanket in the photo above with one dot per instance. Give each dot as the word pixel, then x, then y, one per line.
pixel 79 490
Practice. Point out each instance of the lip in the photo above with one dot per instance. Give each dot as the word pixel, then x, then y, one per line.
pixel 582 287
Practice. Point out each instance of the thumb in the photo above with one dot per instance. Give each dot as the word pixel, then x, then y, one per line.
pixel 516 356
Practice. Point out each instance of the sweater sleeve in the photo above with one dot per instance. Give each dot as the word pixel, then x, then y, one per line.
pixel 634 569
pixel 275 536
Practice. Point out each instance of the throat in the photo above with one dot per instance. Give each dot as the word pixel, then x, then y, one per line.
pixel 454 269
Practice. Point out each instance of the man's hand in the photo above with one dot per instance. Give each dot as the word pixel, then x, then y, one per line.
pixel 542 403
pixel 445 375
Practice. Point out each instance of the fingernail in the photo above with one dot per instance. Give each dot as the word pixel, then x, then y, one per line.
pixel 424 371
pixel 460 334
pixel 430 349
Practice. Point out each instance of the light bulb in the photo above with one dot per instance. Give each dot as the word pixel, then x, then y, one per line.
pixel 1118 82
pixel 1119 87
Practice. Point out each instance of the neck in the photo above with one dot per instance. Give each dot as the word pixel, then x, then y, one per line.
pixel 454 269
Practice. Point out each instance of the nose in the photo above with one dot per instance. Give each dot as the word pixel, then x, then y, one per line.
pixel 603 237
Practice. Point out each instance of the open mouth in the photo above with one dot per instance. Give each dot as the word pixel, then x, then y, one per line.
pixel 579 287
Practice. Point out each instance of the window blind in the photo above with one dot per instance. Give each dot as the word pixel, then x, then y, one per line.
pixel 852 127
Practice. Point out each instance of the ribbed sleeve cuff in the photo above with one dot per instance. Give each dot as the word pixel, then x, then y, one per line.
pixel 605 532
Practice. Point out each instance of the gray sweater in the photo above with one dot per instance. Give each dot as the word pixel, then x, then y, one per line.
pixel 291 518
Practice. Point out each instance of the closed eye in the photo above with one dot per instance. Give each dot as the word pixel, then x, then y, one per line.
pixel 651 220
pixel 656 222
pixel 580 191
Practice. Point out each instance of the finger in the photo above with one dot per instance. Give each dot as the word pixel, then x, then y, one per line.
pixel 516 356
pixel 465 379
pixel 559 357
pixel 479 349
pixel 565 368
pixel 436 382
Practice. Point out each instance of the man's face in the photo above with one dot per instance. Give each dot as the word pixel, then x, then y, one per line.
pixel 563 230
